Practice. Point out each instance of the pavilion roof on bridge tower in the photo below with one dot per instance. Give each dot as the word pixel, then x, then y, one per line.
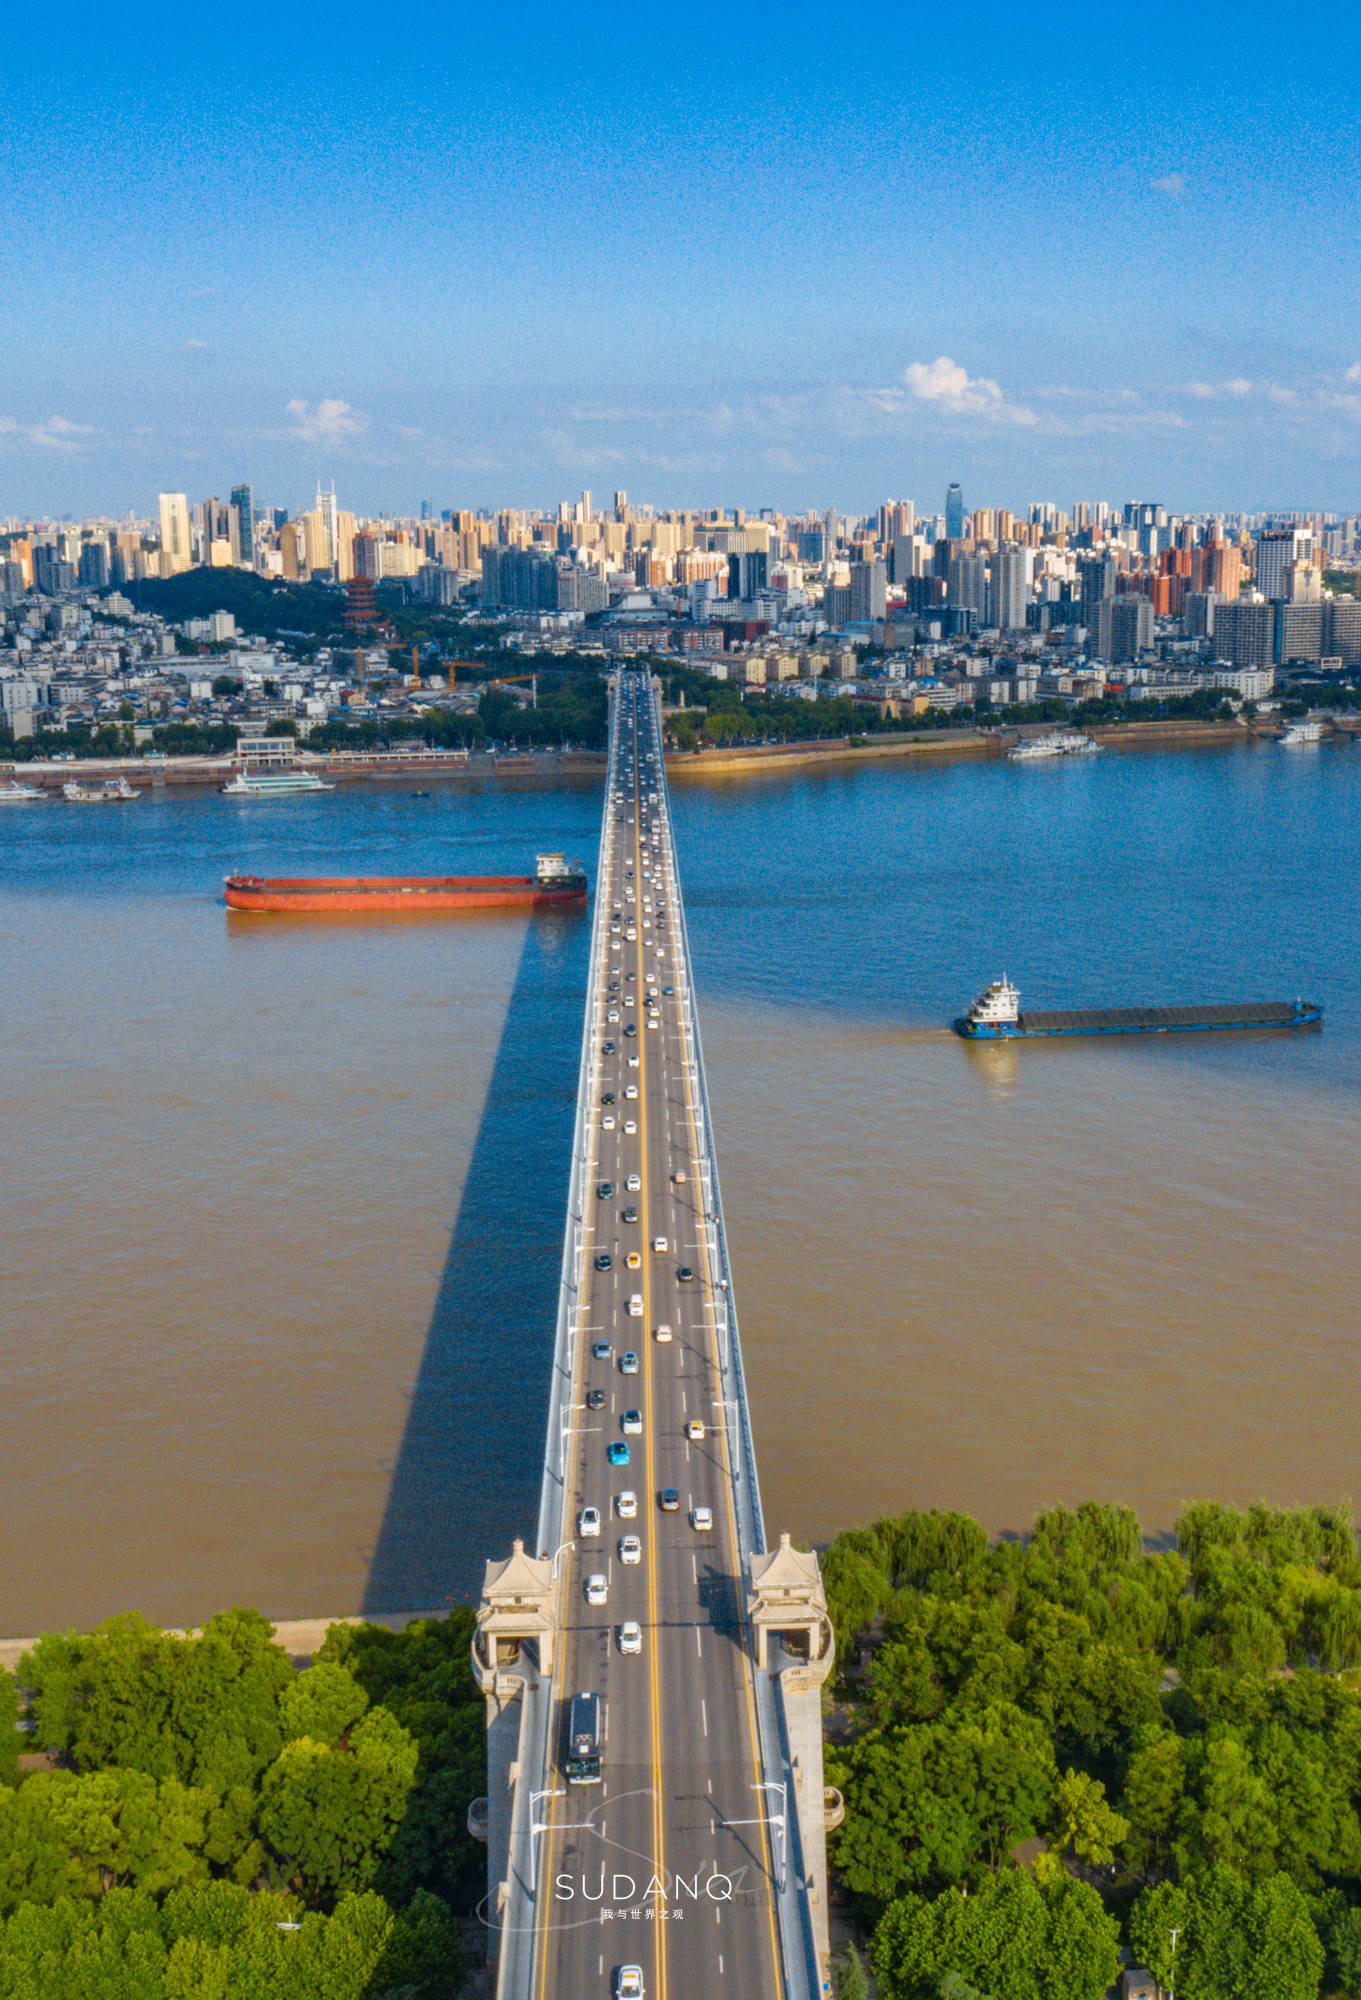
pixel 517 1607
pixel 787 1597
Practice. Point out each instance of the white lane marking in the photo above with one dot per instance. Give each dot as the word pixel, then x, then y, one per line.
pixel 704 1715
pixel 699 1646
pixel 694 1567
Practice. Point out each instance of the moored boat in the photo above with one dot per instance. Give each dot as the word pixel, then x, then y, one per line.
pixel 554 882
pixel 16 794
pixel 249 784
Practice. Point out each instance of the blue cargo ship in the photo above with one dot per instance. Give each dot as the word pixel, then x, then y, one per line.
pixel 996 1017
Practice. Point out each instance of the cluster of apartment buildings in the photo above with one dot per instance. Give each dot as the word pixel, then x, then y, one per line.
pixel 947 606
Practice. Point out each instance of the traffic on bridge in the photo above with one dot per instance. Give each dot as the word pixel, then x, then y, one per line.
pixel 651 1672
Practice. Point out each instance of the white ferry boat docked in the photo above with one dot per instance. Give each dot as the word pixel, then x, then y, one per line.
pixel 15 794
pixel 274 784
pixel 108 794
pixel 1301 733
pixel 1054 743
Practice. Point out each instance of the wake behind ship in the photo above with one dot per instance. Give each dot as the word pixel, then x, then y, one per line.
pixel 996 1017
pixel 555 882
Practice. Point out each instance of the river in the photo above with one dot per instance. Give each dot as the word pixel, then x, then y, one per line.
pixel 283 1199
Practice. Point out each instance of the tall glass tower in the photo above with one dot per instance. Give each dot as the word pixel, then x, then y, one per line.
pixel 241 517
pixel 954 512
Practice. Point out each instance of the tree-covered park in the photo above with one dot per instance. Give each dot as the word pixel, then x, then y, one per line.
pixel 1054 1747
pixel 196 1818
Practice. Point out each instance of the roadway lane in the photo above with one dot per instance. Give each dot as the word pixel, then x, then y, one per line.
pixel 653 1865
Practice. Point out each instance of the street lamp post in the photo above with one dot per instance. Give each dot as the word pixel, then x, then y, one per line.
pixel 778 1820
pixel 537 1827
pixel 560 1552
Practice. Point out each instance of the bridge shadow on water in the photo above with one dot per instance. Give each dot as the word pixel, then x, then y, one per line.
pixel 467 1475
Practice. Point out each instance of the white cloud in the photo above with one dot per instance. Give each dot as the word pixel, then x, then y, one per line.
pixel 328 422
pixel 196 347
pixel 948 386
pixel 55 434
pixel 1172 185
pixel 1353 374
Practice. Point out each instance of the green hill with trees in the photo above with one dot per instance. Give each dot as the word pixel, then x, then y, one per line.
pixel 1054 1747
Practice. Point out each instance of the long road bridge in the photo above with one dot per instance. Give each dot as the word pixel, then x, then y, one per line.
pixel 675 1844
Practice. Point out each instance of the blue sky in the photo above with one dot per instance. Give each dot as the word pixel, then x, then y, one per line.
pixel 773 256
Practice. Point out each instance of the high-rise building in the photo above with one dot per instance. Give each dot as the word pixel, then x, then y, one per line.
pixel 747 573
pixel 1278 550
pixel 1010 587
pixel 1342 630
pixel 241 529
pixel 869 591
pixel 326 508
pixel 177 543
pixel 93 573
pixel 967 585
pixel 1122 630
pixel 216 525
pixel 954 512
pixel 427 511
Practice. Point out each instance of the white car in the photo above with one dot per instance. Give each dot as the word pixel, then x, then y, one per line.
pixel 588 1522
pixel 633 1062
pixel 630 1090
pixel 626 1505
pixel 702 1520
pixel 659 1244
pixel 613 1014
pixel 632 1184
pixel 635 1305
pixel 632 1423
pixel 630 1636
pixel 694 1430
pixel 652 1020
pixel 597 1588
pixel 607 1122
pixel 630 1126
pixel 628 1983
pixel 661 1333
pixel 630 1550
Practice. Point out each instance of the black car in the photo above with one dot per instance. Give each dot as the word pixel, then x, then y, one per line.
pixel 629 1214
pixel 605 1190
pixel 670 1500
pixel 604 1262
pixel 595 1399
pixel 607 1048
pixel 608 1098
pixel 632 1028
pixel 668 989
pixel 683 1277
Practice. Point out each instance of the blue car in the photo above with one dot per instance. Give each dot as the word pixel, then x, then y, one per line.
pixel 619 1454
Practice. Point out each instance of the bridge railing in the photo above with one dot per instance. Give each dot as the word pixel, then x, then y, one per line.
pixel 518 1929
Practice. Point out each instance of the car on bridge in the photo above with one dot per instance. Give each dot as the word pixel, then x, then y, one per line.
pixel 619 1454
pixel 630 1550
pixel 628 1983
pixel 601 1350
pixel 634 1261
pixel 628 1362
pixel 629 1214
pixel 597 1588
pixel 630 1636
pixel 635 1305
pixel 604 1261
pixel 685 1276
pixel 632 1423
pixel 702 1520
pixel 661 1332
pixel 659 1245
pixel 626 1505
pixel 669 1500
pixel 694 1430
pixel 595 1399
pixel 588 1522
pixel 606 1190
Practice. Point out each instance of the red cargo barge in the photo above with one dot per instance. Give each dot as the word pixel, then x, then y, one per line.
pixel 553 883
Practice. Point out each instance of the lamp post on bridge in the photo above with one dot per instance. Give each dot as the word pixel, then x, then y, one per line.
pixel 778 1820
pixel 536 1827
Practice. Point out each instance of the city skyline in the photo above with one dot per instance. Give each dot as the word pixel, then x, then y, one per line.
pixel 489 259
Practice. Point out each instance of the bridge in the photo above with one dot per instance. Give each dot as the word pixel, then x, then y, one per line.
pixel 695 1848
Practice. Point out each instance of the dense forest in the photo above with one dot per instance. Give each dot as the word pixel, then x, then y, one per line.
pixel 196 1818
pixel 1056 1747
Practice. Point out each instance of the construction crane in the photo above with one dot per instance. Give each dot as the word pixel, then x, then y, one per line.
pixel 518 680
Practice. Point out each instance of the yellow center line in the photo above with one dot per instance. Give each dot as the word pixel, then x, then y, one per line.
pixel 654 1623
pixel 727 1450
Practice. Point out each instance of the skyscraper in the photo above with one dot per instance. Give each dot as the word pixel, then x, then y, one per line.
pixel 177 546
pixel 1010 592
pixel 241 526
pixel 954 512
pixel 868 591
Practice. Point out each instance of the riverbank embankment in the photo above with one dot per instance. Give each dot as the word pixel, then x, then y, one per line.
pixel 301 1638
